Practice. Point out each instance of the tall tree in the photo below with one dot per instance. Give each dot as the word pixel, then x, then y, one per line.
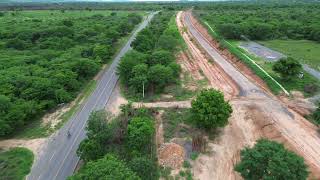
pixel 159 76
pixel 139 79
pixel 162 57
pixel 270 160
pixel 210 110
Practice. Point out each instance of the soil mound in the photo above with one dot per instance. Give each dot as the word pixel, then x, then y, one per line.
pixel 171 155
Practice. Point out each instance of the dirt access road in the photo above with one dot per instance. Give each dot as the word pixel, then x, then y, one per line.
pixel 256 114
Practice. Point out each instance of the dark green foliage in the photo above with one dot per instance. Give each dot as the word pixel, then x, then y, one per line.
pixel 210 110
pixel 316 115
pixel 176 69
pixel 90 149
pixel 130 60
pixel 270 160
pixel 144 167
pixel 139 78
pixel 288 68
pixel 16 44
pixel 140 133
pixel 167 42
pixel 46 58
pixel 132 142
pixel 103 133
pixel 161 57
pixel 259 21
pixel 67 22
pixel 109 167
pixel 159 76
pixel 144 41
pixel 186 164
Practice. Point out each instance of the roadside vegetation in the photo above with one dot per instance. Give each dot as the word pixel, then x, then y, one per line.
pixel 270 160
pixel 15 163
pixel 126 141
pixel 47 57
pixel 315 116
pixel 252 21
pixel 150 68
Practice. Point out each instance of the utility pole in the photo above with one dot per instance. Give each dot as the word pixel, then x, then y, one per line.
pixel 143 89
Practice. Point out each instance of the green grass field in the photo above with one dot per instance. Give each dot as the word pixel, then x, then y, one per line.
pixel 307 52
pixel 15 163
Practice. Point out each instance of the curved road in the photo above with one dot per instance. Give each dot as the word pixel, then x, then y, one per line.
pixel 59 159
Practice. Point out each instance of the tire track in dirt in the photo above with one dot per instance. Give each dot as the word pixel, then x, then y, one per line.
pixel 200 62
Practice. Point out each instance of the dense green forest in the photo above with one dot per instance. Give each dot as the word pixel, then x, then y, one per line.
pixel 124 6
pixel 264 21
pixel 119 147
pixel 46 57
pixel 151 65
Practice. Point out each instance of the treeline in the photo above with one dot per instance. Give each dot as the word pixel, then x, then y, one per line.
pixel 120 147
pixel 264 21
pixel 151 65
pixel 46 61
pixel 122 6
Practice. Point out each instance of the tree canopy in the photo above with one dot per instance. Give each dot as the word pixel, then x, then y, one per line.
pixel 261 21
pixel 47 58
pixel 108 167
pixel 270 160
pixel 140 132
pixel 103 131
pixel 288 68
pixel 210 110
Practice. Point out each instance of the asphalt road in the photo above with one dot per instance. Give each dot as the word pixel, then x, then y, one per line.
pixel 59 159
pixel 245 85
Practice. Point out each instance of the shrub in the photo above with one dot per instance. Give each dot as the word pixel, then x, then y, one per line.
pixel 316 115
pixel 109 167
pixel 140 132
pixel 288 68
pixel 144 167
pixel 16 44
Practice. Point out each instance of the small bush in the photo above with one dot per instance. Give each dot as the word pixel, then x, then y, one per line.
pixel 186 164
pixel 182 173
pixel 194 155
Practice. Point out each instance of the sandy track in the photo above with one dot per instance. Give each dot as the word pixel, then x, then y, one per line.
pixel 35 145
pixel 171 104
pixel 200 62
pixel 256 115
